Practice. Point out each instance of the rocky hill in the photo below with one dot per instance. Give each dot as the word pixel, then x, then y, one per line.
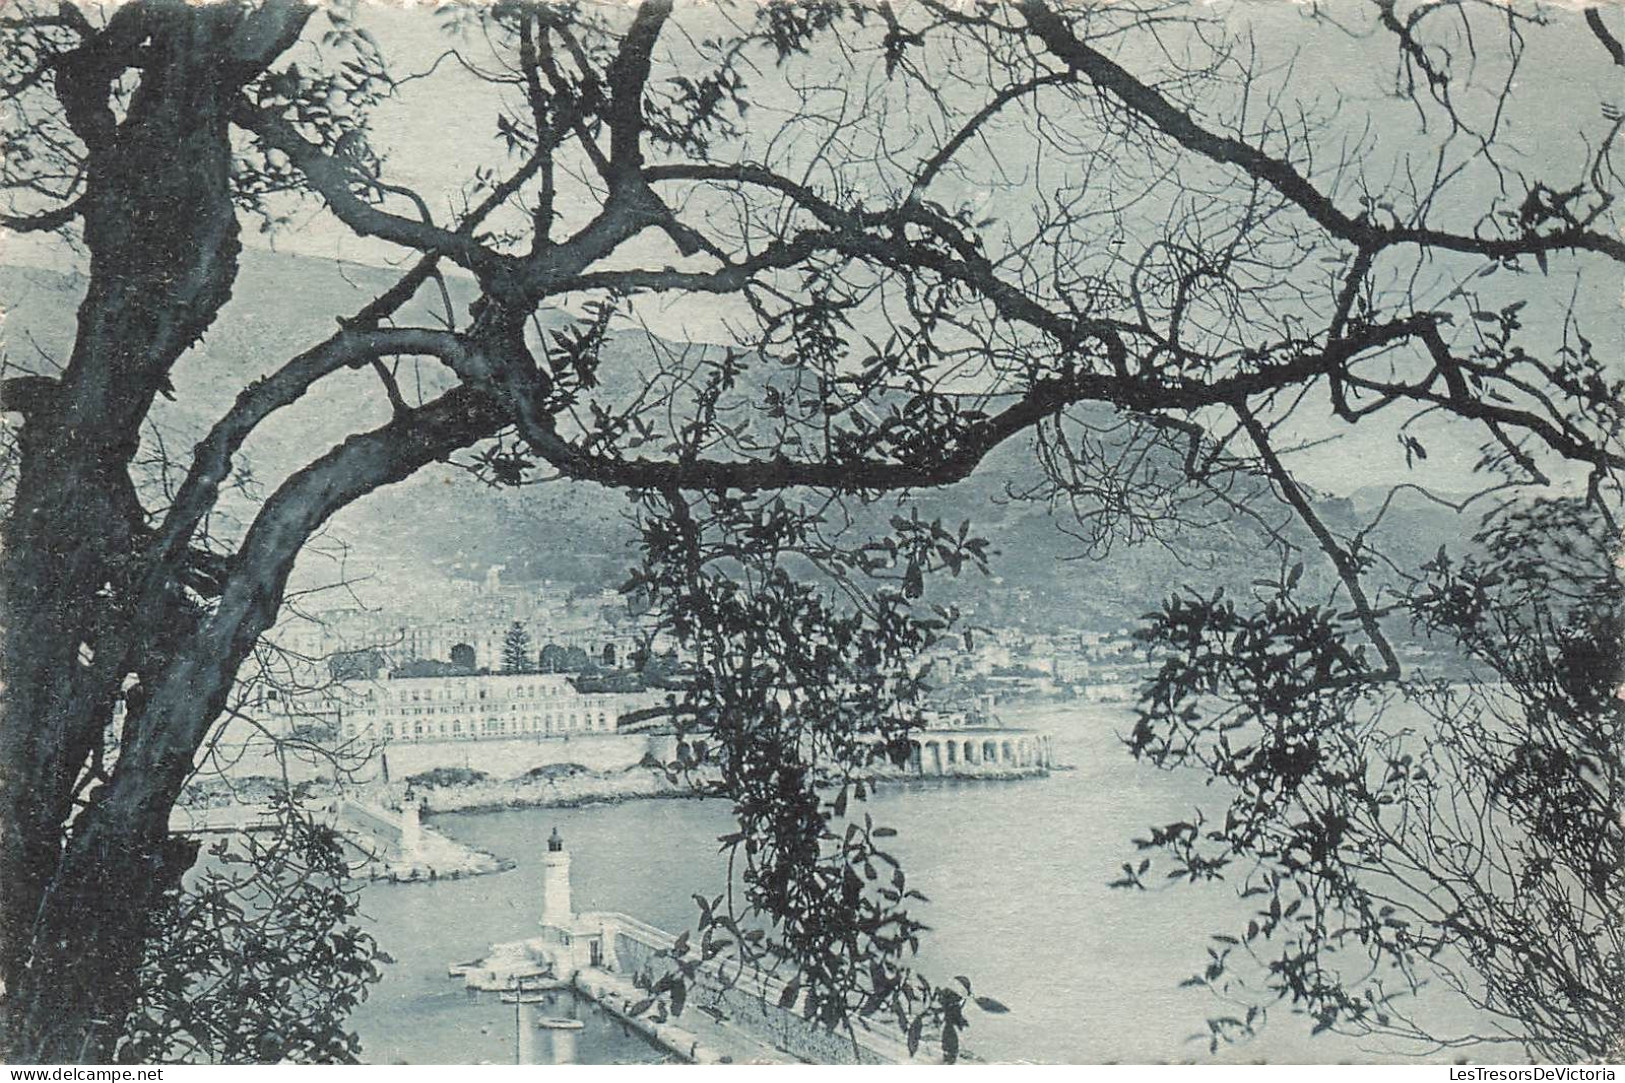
pixel 444 522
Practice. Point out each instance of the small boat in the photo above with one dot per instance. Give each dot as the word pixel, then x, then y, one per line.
pixel 554 1022
pixel 460 970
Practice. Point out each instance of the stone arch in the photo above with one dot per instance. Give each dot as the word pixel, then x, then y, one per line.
pixel 990 751
pixel 1007 753
pixel 953 753
pixel 915 757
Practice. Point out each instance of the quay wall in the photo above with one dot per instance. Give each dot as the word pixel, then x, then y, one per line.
pixel 948 753
pixel 751 1002
pixel 502 758
pixel 513 757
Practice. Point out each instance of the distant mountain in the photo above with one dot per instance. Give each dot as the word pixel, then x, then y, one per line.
pixel 443 522
pixel 282 304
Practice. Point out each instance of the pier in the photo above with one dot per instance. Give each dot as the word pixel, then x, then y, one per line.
pixel 971 752
pixel 731 1017
pixel 392 844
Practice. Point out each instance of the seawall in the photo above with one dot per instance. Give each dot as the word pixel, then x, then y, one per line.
pixel 528 772
pixel 509 757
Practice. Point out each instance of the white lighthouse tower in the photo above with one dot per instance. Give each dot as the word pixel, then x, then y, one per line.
pixel 573 941
pixel 556 911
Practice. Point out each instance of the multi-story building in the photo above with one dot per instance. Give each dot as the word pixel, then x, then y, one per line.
pixel 471 708
pixel 446 708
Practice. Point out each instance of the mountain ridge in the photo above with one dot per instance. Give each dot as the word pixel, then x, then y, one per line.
pixel 282 304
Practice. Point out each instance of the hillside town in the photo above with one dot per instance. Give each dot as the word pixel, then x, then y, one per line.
pixel 419 667
pixel 456 634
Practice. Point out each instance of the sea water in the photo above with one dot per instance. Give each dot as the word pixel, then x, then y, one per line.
pixel 1016 873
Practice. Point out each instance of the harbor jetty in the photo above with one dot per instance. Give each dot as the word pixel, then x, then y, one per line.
pixel 731 1018
pixel 386 844
pixel 977 752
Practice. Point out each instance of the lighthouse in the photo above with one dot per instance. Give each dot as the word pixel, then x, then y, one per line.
pixel 556 911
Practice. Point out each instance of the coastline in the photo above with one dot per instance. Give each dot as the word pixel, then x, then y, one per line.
pixel 573 790
pixel 584 787
pixel 557 785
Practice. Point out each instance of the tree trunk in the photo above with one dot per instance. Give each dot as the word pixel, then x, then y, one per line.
pixel 161 230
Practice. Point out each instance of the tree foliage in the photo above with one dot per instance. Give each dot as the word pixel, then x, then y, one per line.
pixel 800 695
pixel 1133 236
pixel 516 650
pixel 1463 832
pixel 357 665
pixel 260 957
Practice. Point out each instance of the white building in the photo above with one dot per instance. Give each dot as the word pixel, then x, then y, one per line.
pixel 471 708
pixel 452 708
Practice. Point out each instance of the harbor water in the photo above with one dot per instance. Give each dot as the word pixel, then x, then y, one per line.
pixel 1016 873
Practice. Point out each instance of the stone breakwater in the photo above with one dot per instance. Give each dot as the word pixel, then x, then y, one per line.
pixel 245 805
pixel 560 790
pixel 583 787
pixel 381 843
pixel 449 861
pixel 374 820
